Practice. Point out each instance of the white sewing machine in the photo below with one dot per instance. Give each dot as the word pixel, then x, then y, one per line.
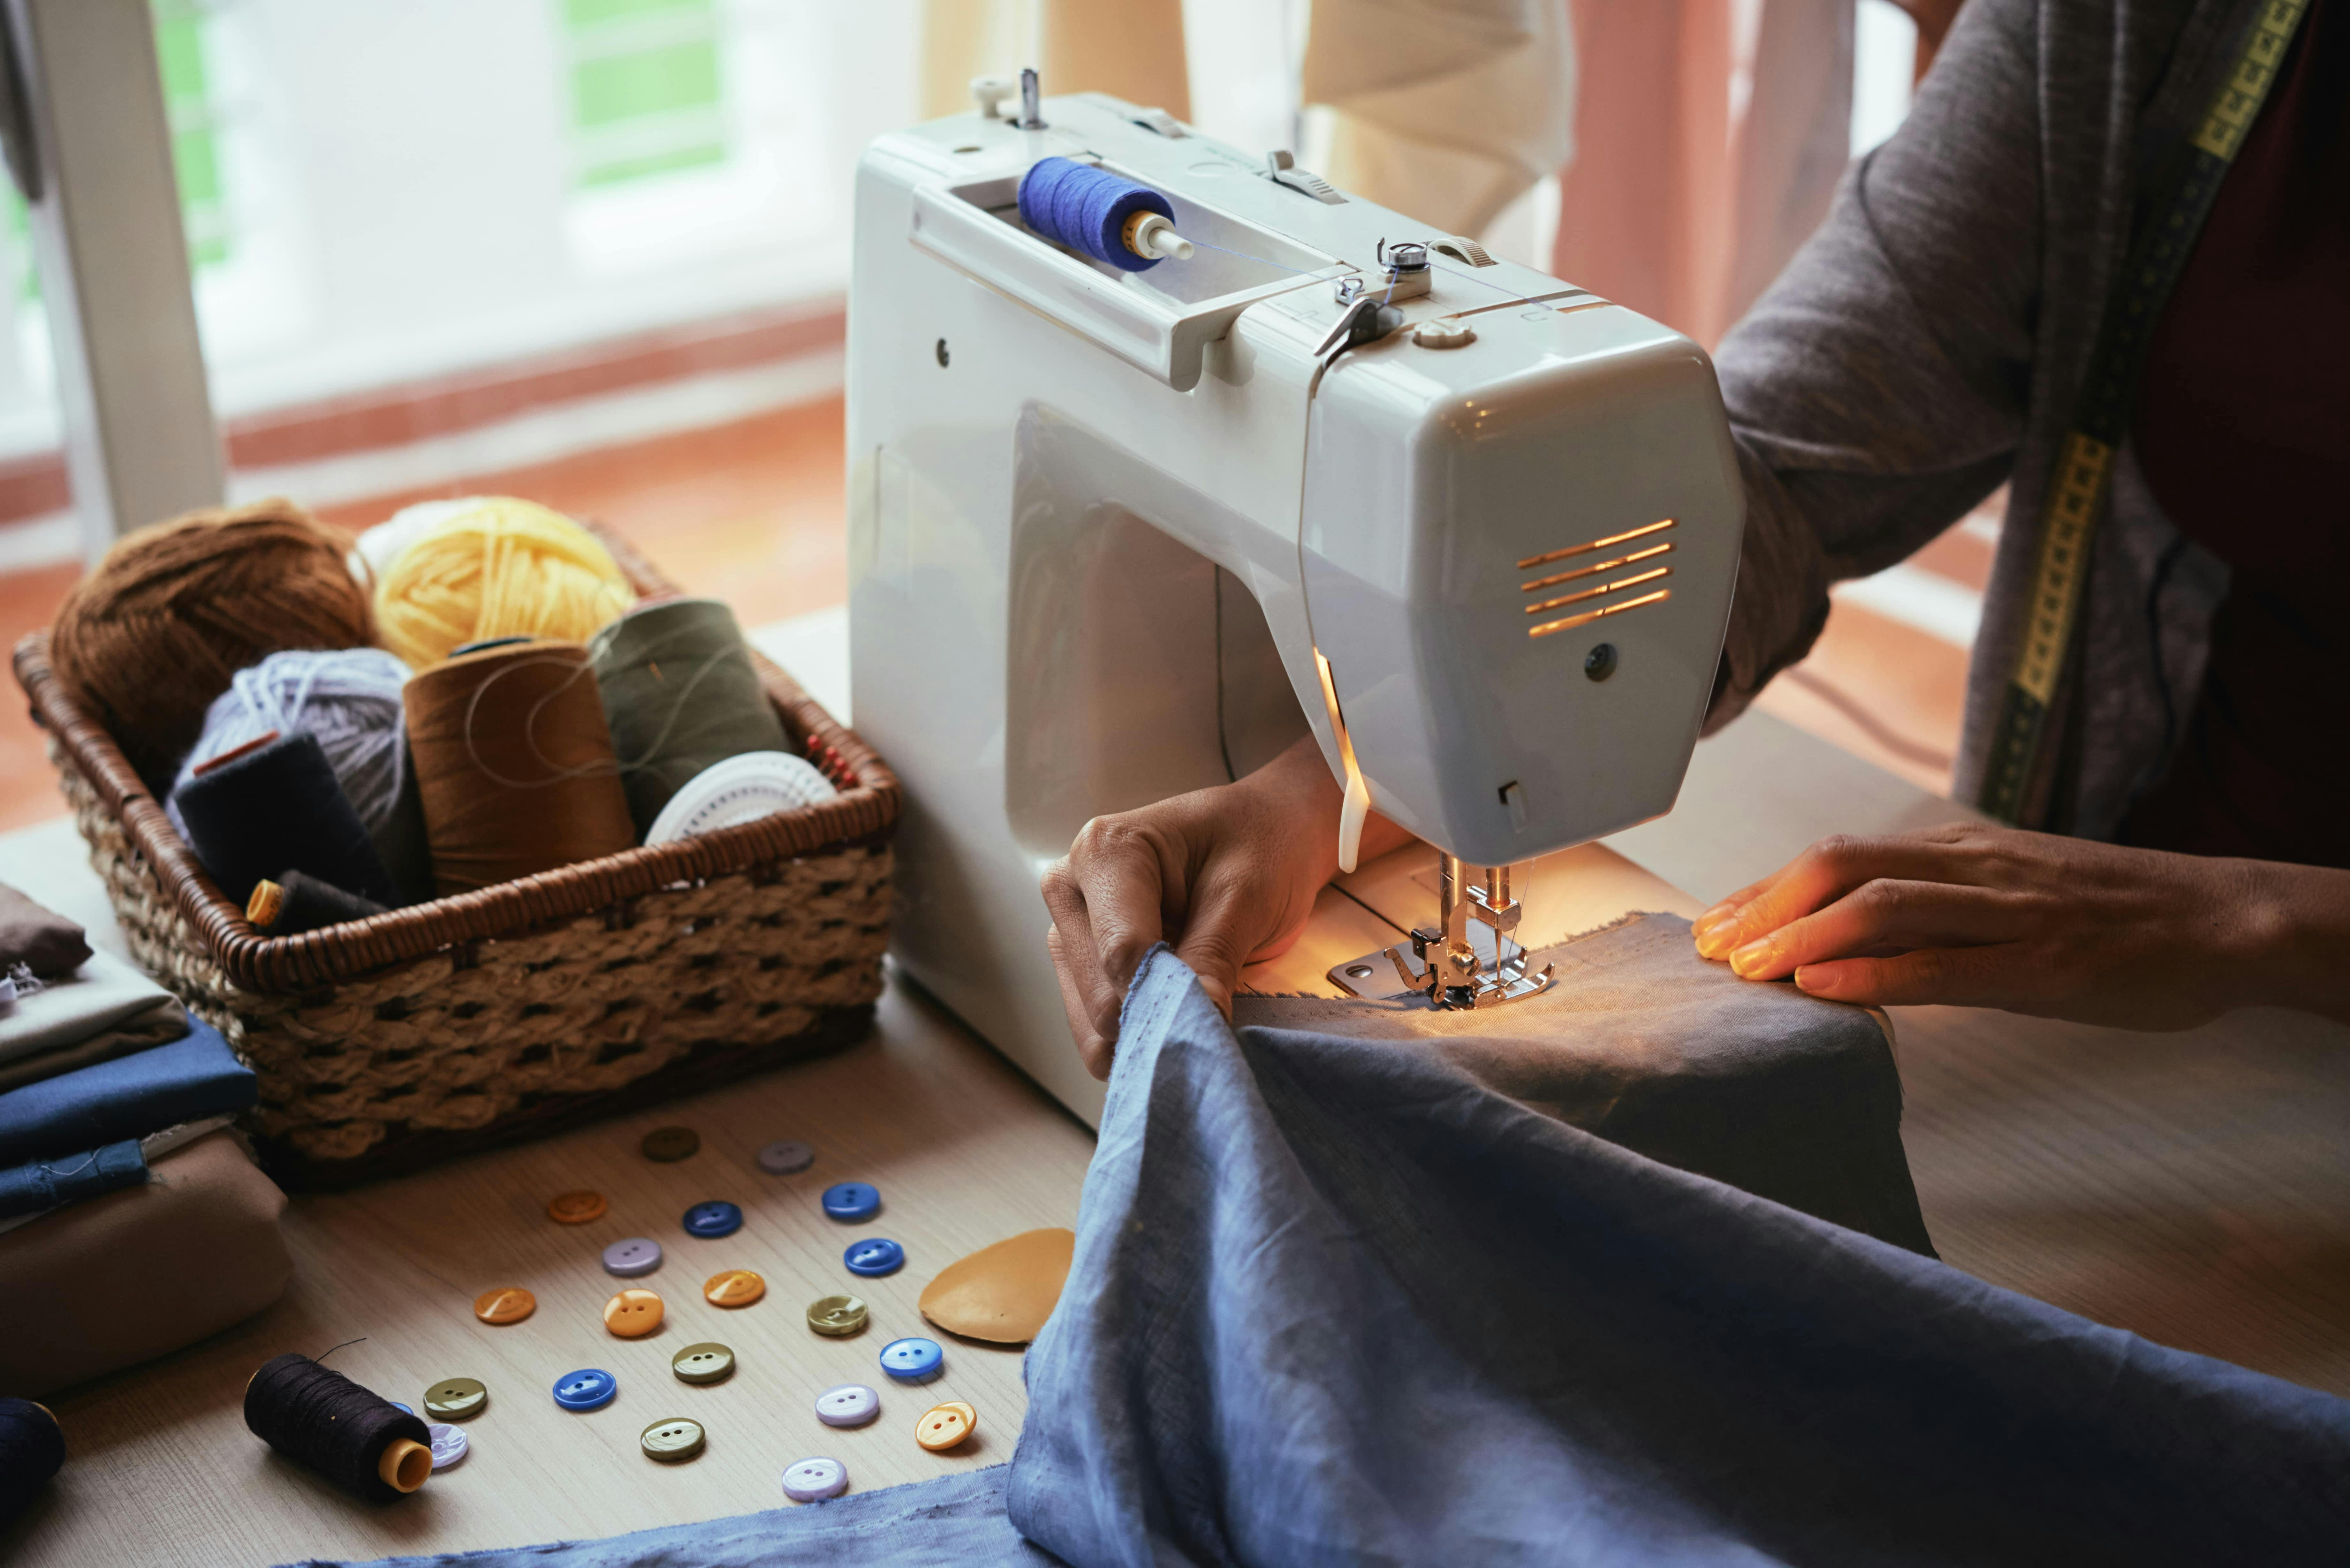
pixel 1116 535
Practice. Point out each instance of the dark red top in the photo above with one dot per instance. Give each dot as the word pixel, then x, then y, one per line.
pixel 2243 434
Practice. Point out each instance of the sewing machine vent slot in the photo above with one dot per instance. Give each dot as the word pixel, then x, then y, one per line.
pixel 1631 558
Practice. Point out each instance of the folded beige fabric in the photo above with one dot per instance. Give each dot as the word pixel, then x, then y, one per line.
pixel 137 1274
pixel 103 993
pixel 163 1021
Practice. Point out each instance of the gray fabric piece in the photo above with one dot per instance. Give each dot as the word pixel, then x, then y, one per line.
pixel 955 1522
pixel 104 993
pixel 1643 1044
pixel 1336 1301
pixel 1930 342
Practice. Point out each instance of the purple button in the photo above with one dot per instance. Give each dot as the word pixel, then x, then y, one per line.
pixel 637 1255
pixel 813 1480
pixel 851 1404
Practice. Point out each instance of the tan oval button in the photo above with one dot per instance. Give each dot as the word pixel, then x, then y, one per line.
pixel 576 1208
pixel 734 1288
pixel 632 1314
pixel 669 1145
pixel 671 1440
pixel 455 1398
pixel 944 1425
pixel 707 1362
pixel 510 1304
pixel 837 1316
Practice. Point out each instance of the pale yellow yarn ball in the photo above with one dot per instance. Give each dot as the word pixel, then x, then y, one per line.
pixel 501 567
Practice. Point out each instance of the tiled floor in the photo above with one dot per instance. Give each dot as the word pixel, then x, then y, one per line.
pixel 753 513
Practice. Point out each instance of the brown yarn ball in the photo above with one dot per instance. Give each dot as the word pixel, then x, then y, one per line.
pixel 158 628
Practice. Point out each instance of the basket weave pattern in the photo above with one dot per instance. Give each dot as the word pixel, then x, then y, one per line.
pixel 387 1042
pixel 459 1041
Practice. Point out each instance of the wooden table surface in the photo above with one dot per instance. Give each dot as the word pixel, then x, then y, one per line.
pixel 964 1151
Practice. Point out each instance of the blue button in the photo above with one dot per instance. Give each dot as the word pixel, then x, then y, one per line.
pixel 852 1201
pixel 403 1409
pixel 912 1360
pixel 878 1256
pixel 590 1388
pixel 713 1218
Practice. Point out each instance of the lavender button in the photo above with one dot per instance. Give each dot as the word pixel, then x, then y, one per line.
pixel 637 1255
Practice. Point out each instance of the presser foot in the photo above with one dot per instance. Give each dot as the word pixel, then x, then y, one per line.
pixel 1444 964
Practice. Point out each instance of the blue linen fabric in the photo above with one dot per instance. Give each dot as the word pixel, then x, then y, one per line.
pixel 955 1521
pixel 191 1078
pixel 1334 1300
pixel 40 1185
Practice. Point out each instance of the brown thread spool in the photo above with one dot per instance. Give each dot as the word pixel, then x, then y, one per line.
pixel 513 761
pixel 156 630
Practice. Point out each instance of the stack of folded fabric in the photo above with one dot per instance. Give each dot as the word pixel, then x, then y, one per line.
pixel 117 1163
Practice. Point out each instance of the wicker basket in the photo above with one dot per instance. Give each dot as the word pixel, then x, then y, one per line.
pixel 448 1027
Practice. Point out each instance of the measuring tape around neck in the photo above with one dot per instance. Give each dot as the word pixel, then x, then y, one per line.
pixel 2078 490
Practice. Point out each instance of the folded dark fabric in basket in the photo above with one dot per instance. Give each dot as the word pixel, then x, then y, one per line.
pixel 185 1081
pixel 1648 1045
pixel 141 1272
pixel 40 939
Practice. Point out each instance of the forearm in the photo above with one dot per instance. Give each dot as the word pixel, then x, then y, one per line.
pixel 2296 941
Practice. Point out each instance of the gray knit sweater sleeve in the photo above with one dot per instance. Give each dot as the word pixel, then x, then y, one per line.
pixel 1878 390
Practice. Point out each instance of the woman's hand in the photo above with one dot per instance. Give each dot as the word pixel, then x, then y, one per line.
pixel 1228 874
pixel 1978 915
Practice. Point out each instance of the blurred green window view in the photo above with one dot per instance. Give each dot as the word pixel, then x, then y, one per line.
pixel 646 94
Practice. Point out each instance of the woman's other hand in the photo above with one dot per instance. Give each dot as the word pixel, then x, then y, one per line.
pixel 1978 915
pixel 1228 875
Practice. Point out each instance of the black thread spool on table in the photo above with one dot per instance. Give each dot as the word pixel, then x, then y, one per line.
pixel 32 1449
pixel 322 1420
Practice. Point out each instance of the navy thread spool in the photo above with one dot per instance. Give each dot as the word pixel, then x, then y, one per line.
pixel 253 814
pixel 682 695
pixel 321 1419
pixel 32 1449
pixel 298 902
pixel 1088 209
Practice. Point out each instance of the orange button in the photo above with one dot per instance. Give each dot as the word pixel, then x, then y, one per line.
pixel 632 1314
pixel 509 1304
pixel 735 1288
pixel 944 1425
pixel 576 1208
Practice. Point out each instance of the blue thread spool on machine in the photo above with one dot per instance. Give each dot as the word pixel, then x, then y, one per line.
pixel 1104 215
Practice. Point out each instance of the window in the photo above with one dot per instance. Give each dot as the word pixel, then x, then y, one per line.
pixel 647 95
pixel 180 49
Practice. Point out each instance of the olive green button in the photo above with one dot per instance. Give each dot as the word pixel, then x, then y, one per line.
pixel 705 1363
pixel 838 1316
pixel 671 1440
pixel 669 1145
pixel 455 1398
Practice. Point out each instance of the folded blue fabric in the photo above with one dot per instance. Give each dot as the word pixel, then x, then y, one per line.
pixel 1336 1301
pixel 129 1097
pixel 40 1185
pixel 955 1522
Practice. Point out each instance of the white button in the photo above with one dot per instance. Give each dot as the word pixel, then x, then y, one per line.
pixel 851 1404
pixel 449 1445
pixel 637 1255
pixel 812 1480
pixel 784 1157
